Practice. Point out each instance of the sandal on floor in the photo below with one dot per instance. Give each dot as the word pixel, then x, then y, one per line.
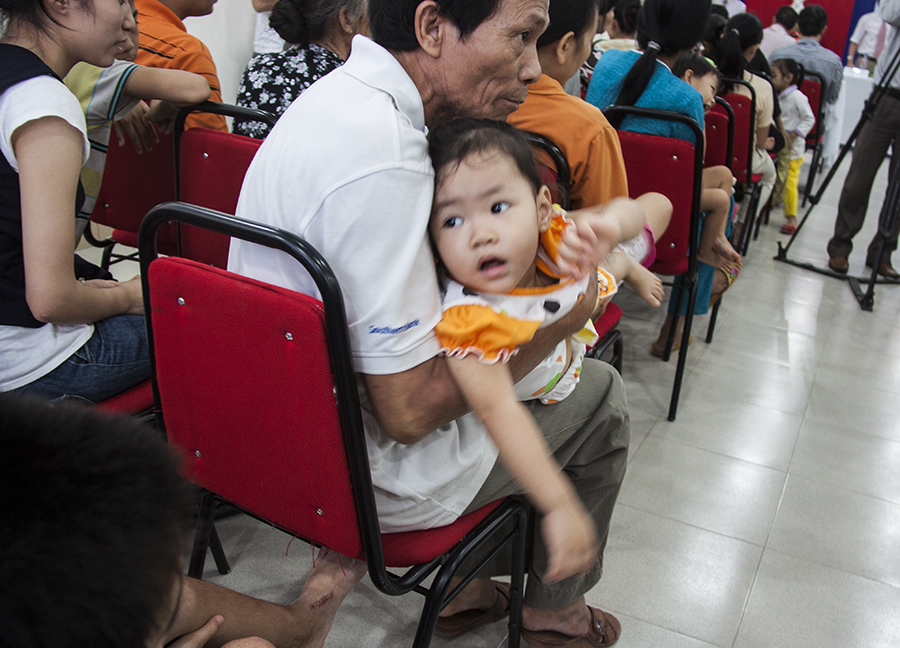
pixel 788 228
pixel 605 631
pixel 461 622
pixel 731 270
pixel 658 353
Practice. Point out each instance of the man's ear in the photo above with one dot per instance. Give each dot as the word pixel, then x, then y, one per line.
pixel 544 203
pixel 431 27
pixel 565 46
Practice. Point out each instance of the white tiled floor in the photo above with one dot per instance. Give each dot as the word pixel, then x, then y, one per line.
pixel 767 515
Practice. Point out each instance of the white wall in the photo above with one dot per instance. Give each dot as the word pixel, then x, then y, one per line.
pixel 228 33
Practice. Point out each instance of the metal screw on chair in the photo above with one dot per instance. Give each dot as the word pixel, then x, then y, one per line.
pixel 197 453
pixel 319 512
pixel 181 301
pixel 206 155
pixel 675 157
pixel 288 336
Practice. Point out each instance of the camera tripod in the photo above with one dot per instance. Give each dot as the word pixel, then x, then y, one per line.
pixel 890 210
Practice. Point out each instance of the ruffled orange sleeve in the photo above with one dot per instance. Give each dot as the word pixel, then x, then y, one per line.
pixel 550 239
pixel 473 328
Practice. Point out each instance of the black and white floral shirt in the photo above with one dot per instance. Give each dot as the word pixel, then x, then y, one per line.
pixel 272 81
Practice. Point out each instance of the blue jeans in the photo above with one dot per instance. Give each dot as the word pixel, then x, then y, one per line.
pixel 116 358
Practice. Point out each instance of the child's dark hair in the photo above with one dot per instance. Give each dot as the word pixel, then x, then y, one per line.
pixel 452 142
pixel 696 63
pixel 93 518
pixel 789 66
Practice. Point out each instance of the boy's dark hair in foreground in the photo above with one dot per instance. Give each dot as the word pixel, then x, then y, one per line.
pixel 92 527
pixel 452 142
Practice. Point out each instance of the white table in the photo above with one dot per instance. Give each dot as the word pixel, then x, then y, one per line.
pixel 855 90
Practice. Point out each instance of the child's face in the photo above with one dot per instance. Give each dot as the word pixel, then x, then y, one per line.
pixel 781 81
pixel 486 223
pixel 706 85
pixel 133 36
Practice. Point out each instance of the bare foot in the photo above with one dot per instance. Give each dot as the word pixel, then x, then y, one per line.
pixel 724 249
pixel 329 582
pixel 480 594
pixel 573 620
pixel 647 285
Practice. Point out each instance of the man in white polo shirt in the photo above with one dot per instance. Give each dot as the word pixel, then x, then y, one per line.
pixel 347 168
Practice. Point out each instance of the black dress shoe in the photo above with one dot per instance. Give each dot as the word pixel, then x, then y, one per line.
pixel 886 270
pixel 839 264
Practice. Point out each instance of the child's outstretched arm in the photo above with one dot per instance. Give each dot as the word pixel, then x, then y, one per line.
pixel 566 527
pixel 597 231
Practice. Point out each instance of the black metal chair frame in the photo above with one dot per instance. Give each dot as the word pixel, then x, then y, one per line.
pixel 714 315
pixel 689 280
pixel 512 512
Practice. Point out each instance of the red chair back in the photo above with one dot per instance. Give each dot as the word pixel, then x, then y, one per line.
pixel 811 85
pixel 211 170
pixel 744 134
pixel 718 142
pixel 277 372
pixel 132 185
pixel 665 165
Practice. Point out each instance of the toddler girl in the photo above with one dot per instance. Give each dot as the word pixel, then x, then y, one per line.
pixel 798 119
pixel 514 263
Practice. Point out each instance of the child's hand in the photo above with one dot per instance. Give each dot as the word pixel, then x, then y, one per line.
pixel 136 126
pixel 571 540
pixel 574 255
pixel 770 143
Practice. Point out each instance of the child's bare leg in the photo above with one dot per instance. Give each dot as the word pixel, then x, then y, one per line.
pixel 304 623
pixel 642 281
pixel 718 177
pixel 714 246
pixel 658 209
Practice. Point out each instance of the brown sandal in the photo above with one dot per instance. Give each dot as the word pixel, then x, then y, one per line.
pixel 461 622
pixel 731 270
pixel 604 631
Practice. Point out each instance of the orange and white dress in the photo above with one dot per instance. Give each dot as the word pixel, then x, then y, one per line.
pixel 492 326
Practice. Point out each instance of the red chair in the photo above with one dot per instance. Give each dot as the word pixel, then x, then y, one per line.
pixel 137 400
pixel 256 385
pixel 719 131
pixel 674 168
pixel 553 169
pixel 210 169
pixel 744 108
pixel 813 86
pixel 132 184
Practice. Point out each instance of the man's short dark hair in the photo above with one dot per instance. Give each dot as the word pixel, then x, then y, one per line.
pixel 392 22
pixel 812 20
pixel 92 527
pixel 450 143
pixel 786 16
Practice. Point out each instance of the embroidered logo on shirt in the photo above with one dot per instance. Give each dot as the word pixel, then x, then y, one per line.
pixel 386 330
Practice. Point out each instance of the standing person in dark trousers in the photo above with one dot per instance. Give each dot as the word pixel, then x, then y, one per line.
pixel 879 132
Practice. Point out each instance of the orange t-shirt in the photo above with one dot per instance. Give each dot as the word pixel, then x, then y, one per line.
pixel 582 133
pixel 165 43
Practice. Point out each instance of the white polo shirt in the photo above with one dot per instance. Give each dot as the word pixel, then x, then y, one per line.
pixel 347 168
